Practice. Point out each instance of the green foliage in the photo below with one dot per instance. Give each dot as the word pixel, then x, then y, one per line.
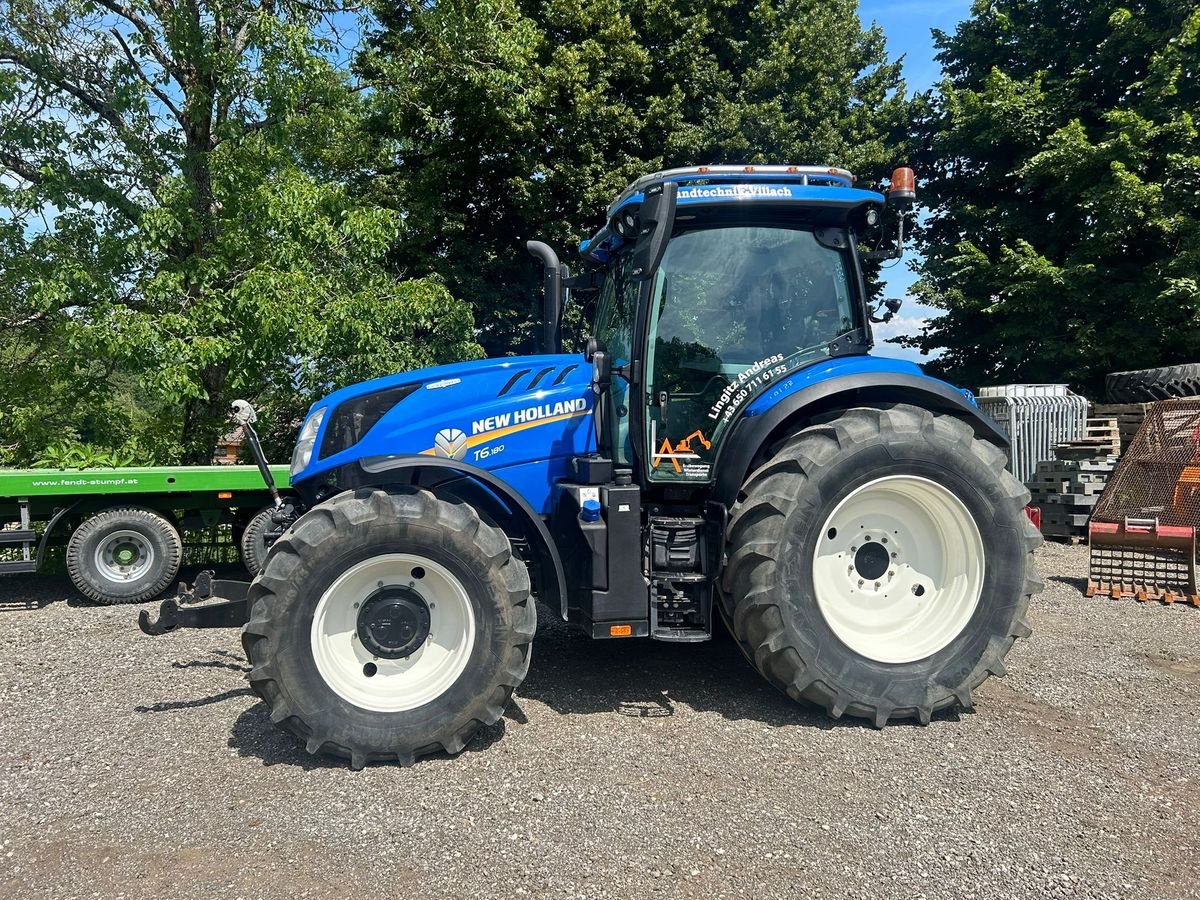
pixel 1063 173
pixel 76 455
pixel 181 225
pixel 505 120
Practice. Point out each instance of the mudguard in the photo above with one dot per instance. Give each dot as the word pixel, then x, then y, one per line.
pixel 489 493
pixel 768 418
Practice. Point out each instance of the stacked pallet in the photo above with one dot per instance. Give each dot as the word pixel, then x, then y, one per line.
pixel 1068 487
pixel 1066 491
pixel 1129 418
pixel 1101 437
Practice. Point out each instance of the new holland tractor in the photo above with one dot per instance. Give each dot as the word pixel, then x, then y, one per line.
pixel 726 446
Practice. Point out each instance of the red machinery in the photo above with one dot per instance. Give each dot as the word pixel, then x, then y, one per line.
pixel 1143 531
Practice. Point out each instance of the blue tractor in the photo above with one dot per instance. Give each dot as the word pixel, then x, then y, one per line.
pixel 726 446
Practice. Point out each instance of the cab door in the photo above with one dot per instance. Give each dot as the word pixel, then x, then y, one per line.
pixel 732 309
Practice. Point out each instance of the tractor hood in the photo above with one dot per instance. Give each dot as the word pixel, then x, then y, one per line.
pixel 490 413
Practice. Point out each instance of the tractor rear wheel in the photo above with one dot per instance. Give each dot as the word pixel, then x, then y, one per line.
pixel 389 626
pixel 880 565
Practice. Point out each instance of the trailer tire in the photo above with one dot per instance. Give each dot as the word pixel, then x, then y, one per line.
pixel 252 540
pixel 124 555
pixel 900 625
pixel 308 648
pixel 1148 385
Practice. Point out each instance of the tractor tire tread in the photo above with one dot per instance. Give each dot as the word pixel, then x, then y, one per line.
pixel 1149 385
pixel 787 660
pixel 334 515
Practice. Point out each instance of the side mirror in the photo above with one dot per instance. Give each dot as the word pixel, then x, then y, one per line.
pixel 892 307
pixel 657 218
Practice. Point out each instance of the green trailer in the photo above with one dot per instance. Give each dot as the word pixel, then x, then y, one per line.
pixel 122 527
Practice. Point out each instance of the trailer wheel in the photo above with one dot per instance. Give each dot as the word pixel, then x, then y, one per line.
pixel 881 565
pixel 252 541
pixel 389 626
pixel 124 555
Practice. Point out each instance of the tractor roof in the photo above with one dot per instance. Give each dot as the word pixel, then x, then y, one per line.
pixel 750 175
pixel 817 187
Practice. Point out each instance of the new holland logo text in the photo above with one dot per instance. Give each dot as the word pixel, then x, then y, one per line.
pixel 532 414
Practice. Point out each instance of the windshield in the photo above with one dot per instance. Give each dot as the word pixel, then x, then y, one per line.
pixel 732 310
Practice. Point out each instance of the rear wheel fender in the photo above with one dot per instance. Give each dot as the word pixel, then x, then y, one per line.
pixel 752 437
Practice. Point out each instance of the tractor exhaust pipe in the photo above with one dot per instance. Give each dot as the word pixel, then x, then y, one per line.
pixel 552 286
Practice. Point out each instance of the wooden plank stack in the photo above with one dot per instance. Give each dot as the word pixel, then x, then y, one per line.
pixel 1129 418
pixel 1067 488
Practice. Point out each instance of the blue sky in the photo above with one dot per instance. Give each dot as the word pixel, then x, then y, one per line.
pixel 908 25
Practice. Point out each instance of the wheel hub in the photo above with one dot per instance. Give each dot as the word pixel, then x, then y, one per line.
pixel 873 557
pixel 124 556
pixel 393 622
pixel 871 560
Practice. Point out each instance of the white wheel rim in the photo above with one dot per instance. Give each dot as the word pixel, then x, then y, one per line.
pixel 932 554
pixel 397 684
pixel 124 556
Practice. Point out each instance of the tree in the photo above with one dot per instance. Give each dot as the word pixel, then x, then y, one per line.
pixel 180 226
pixel 1063 179
pixel 504 120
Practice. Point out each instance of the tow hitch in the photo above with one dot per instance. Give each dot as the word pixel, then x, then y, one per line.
pixel 231 612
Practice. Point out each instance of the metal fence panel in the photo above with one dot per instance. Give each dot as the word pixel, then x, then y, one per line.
pixel 1035 417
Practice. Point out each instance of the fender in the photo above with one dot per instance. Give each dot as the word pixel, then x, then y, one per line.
pixel 752 433
pixel 477 486
pixel 50 526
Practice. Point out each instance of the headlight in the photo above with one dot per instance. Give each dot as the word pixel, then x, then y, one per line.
pixel 353 418
pixel 304 444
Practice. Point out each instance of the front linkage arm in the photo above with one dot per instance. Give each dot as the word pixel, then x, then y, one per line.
pixel 233 610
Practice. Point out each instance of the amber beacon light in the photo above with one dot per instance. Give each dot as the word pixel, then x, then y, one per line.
pixel 904 187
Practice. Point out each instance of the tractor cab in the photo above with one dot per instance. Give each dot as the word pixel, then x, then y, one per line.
pixel 714 283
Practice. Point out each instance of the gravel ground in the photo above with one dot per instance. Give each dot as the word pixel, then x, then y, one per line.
pixel 138 767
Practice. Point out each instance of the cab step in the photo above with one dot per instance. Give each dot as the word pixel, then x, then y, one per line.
pixel 681 635
pixel 17 566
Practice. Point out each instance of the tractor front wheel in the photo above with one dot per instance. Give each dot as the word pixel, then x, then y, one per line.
pixel 389 626
pixel 880 565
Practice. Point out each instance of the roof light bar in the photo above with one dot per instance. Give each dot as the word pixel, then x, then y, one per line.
pixel 800 174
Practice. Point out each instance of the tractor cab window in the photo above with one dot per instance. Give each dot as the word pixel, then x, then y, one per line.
pixel 733 309
pixel 616 315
